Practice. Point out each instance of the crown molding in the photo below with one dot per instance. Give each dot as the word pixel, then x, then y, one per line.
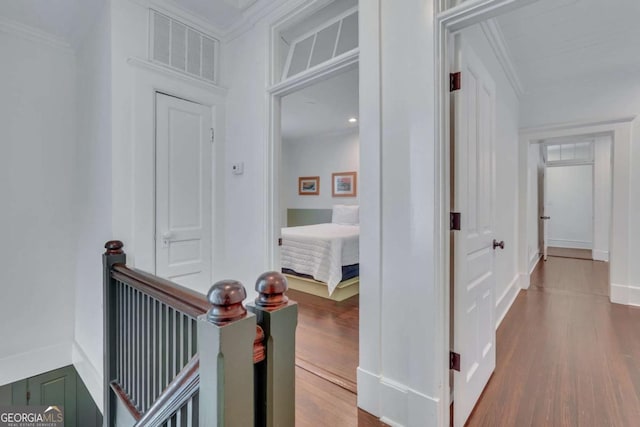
pixel 33 34
pixel 494 35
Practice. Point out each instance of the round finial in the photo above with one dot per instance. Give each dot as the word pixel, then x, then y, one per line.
pixel 226 296
pixel 113 247
pixel 271 287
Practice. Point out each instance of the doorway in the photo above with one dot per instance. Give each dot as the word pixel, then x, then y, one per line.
pixel 183 193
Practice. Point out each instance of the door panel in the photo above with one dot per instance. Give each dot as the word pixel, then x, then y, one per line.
pixel 183 191
pixel 55 388
pixel 473 196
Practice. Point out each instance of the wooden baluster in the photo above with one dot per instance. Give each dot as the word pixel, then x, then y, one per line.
pixel 275 377
pixel 113 255
pixel 225 344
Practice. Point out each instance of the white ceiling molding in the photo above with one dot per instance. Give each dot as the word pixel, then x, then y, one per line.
pixel 204 84
pixel 252 15
pixel 555 127
pixel 494 35
pixel 33 34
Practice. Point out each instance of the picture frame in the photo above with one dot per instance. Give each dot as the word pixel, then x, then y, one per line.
pixel 308 185
pixel 344 184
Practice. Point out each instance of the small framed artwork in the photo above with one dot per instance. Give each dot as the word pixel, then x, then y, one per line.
pixel 345 184
pixel 308 185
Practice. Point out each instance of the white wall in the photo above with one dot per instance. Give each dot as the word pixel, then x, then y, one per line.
pixel 93 197
pixel 569 203
pixel 602 198
pixel 506 178
pixel 634 225
pixel 37 186
pixel 318 156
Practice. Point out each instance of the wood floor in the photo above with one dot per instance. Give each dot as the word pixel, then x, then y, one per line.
pixel 570 253
pixel 566 356
pixel 326 362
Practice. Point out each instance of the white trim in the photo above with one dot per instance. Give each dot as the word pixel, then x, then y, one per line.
pixel 254 14
pixel 192 80
pixel 316 73
pixel 33 34
pixel 554 127
pixel 571 244
pixel 599 255
pixel 472 12
pixel 524 281
pixel 89 374
pixel 404 406
pixel 627 295
pixel 494 35
pixel 533 262
pixel 368 391
pixel 34 362
pixel 506 300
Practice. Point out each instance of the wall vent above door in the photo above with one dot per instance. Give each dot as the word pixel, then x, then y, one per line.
pixel 183 48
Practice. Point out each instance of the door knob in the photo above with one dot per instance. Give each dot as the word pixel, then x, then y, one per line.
pixel 167 236
pixel 497 244
pixel 545 217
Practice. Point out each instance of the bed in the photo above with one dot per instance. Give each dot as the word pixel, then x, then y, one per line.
pixel 323 259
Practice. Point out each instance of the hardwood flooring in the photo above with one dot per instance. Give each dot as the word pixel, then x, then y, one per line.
pixel 326 362
pixel 566 356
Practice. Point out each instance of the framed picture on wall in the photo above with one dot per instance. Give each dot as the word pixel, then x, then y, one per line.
pixel 345 184
pixel 309 185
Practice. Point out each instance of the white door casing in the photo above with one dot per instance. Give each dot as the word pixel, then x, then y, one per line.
pixel 183 191
pixel 473 196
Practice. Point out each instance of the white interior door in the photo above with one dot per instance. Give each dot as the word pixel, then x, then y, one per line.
pixel 473 250
pixel 183 191
pixel 544 214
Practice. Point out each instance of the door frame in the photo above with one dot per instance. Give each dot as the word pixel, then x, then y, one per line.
pixel 447 22
pixel 147 80
pixel 620 131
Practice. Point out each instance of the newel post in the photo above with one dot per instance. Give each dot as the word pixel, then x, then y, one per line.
pixel 113 255
pixel 275 377
pixel 225 343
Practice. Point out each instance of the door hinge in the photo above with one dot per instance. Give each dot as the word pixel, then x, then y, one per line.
pixel 28 396
pixel 455 81
pixel 454 361
pixel 213 135
pixel 280 241
pixel 454 221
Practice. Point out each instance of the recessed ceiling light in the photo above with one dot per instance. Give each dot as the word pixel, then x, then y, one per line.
pixel 353 120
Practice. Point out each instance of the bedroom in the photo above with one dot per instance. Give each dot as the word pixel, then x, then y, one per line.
pixel 319 214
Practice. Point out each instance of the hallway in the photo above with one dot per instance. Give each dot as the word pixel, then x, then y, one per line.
pixel 566 356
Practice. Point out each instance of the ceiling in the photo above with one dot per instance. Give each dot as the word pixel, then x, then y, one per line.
pixel 322 108
pixel 560 42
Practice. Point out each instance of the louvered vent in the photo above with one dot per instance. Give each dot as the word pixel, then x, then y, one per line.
pixel 182 48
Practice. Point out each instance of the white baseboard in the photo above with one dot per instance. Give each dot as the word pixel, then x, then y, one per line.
pixel 90 375
pixel 38 361
pixel 627 295
pixel 504 303
pixel 533 262
pixel 572 244
pixel 368 391
pixel 599 255
pixel 395 404
pixel 524 281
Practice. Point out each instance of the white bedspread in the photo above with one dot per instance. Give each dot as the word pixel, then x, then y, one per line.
pixel 321 250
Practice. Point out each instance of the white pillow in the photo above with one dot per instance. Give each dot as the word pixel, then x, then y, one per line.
pixel 345 214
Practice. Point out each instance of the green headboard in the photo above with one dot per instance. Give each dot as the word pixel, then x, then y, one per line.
pixel 297 217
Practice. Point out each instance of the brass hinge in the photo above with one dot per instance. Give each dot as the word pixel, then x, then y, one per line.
pixel 454 361
pixel 454 221
pixel 455 81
